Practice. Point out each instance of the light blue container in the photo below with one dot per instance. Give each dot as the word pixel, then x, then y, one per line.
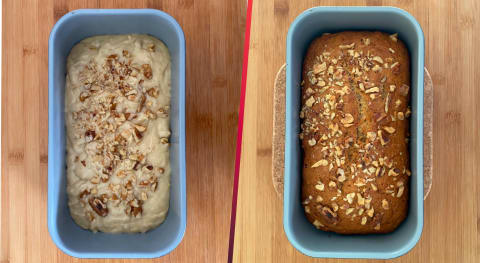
pixel 303 235
pixel 67 235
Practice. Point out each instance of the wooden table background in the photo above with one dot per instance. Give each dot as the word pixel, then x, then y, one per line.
pixel 452 211
pixel 214 32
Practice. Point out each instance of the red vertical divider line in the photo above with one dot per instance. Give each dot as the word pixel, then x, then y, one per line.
pixel 246 47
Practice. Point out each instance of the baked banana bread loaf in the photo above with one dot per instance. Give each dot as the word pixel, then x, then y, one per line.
pixel 355 106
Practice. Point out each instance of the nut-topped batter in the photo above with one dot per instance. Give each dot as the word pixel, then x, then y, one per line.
pixel 355 97
pixel 117 102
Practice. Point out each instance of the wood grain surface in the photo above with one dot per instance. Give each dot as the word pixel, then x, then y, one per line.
pixel 452 211
pixel 214 32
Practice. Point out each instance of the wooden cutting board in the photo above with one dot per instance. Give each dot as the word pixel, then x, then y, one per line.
pixel 214 32
pixel 452 210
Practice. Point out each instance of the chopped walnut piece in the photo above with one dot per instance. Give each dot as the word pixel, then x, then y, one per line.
pixel 384 139
pixel 320 186
pixel 385 204
pixel 389 129
pixel 352 45
pixel 347 119
pixel 310 101
pixel 349 211
pixel 370 212
pixel 350 197
pixel 378 59
pixel 318 224
pixel 377 68
pixel 307 209
pixel 394 37
pixel 90 135
pixel 372 90
pixel 98 206
pixel 394 172
pixel 95 179
pixel 318 68
pixel 400 191
pixel 84 193
pixel 147 71
pixel 322 162
pixel 152 92
pixel 364 220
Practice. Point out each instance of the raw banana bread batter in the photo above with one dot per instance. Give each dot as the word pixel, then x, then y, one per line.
pixel 117 101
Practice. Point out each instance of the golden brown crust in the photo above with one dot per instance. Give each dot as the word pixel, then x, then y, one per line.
pixel 355 97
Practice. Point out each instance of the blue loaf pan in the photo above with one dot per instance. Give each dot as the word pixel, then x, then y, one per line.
pixel 67 235
pixel 303 235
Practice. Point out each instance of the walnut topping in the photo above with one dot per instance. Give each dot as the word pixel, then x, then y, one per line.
pixel 147 71
pixel 400 191
pixel 335 207
pixel 322 162
pixel 352 45
pixel 378 59
pixel 361 86
pixel 95 179
pixel 391 50
pixel 90 135
pixel 385 204
pixel 320 186
pixel 360 199
pixel 312 142
pixel 366 41
pixel 318 224
pixel 348 119
pixel 341 175
pixel 310 101
pixel 384 139
pixel 394 64
pixel 349 211
pixel 408 112
pixel 364 220
pixel 318 68
pixel 329 214
pixel 389 129
pixel 152 92
pixel 371 136
pixel 400 116
pixel 377 68
pixel 98 206
pixel 372 90
pixel 84 193
pixel 332 184
pixel 394 172
pixel 377 226
pixel 83 96
pixel 307 209
pixel 350 197
pixel 370 212
pixel 393 37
